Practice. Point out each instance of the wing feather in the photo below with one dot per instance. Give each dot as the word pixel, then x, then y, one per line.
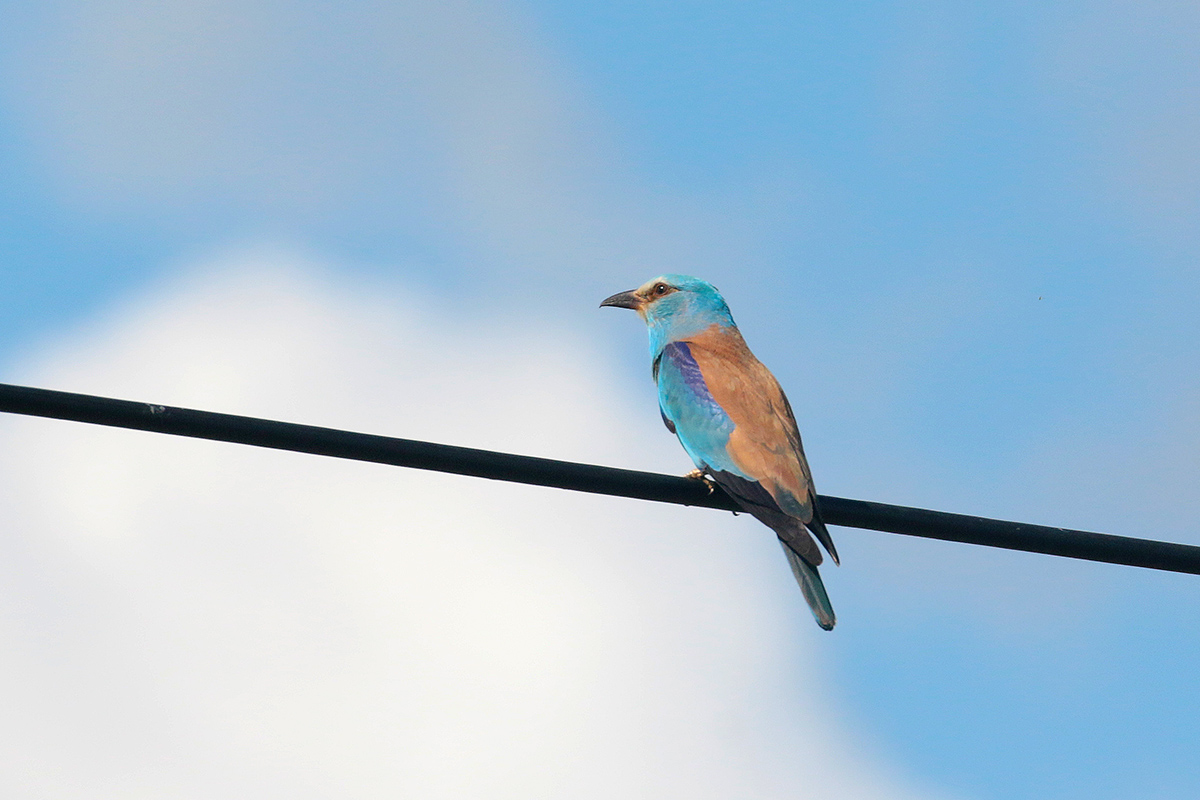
pixel 764 445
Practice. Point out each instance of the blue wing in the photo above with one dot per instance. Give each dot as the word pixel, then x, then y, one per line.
pixel 690 411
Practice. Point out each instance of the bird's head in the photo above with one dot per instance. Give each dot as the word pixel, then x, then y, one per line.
pixel 675 307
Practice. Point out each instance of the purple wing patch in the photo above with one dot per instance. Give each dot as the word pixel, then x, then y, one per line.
pixel 686 370
pixel 680 356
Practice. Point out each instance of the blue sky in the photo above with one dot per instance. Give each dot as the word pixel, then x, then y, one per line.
pixel 965 239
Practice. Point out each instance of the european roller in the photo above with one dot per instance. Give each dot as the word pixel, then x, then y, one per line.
pixel 733 419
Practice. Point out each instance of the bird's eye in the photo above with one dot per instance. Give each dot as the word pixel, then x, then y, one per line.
pixel 660 289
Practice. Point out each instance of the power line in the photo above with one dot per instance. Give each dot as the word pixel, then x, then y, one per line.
pixel 585 477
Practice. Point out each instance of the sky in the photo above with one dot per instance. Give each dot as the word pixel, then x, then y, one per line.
pixel 964 238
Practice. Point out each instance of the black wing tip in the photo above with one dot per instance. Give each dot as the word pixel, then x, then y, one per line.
pixel 833 554
pixel 754 498
pixel 817 526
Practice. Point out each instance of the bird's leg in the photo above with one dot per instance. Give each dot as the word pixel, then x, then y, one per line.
pixel 698 475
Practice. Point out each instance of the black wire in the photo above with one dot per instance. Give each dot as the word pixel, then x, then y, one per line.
pixel 585 477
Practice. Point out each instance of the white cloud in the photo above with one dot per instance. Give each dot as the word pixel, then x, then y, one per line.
pixel 196 619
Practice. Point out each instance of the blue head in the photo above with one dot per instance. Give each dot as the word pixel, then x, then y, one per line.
pixel 675 307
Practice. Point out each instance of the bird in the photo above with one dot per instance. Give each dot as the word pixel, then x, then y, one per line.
pixel 733 419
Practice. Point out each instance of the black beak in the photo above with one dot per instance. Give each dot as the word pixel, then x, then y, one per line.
pixel 623 300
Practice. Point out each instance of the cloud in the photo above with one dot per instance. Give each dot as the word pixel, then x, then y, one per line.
pixel 192 619
pixel 452 122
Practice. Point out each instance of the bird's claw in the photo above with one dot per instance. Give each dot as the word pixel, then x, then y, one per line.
pixel 698 475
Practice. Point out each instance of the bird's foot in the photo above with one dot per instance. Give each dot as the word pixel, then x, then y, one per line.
pixel 698 475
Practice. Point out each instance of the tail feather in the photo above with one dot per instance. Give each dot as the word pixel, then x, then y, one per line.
pixel 812 587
